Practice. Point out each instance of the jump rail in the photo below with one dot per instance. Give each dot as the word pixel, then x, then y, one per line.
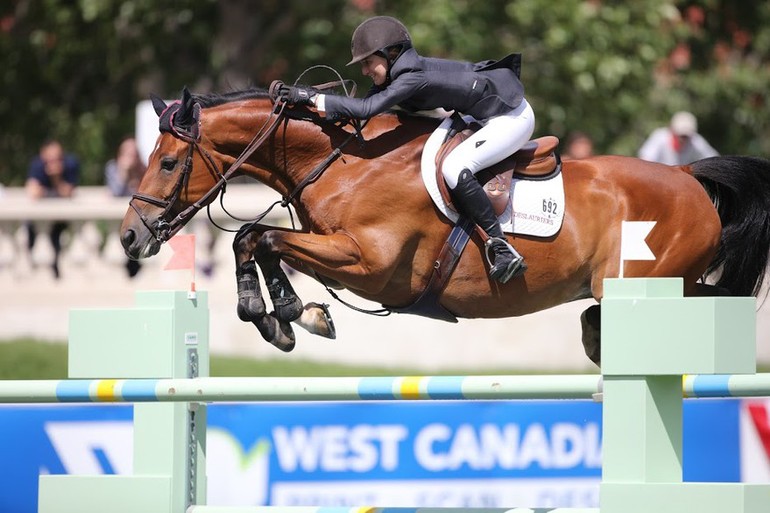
pixel 423 388
pixel 156 355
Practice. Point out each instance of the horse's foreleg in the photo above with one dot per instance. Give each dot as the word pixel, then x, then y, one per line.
pixel 329 255
pixel 313 317
pixel 288 306
pixel 251 306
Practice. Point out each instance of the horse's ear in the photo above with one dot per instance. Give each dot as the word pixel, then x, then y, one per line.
pixel 158 104
pixel 185 114
pixel 187 99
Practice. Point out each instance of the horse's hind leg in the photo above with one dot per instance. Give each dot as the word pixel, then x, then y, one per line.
pixel 590 320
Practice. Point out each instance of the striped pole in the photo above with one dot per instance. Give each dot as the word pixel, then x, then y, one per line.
pixel 208 389
pixel 239 389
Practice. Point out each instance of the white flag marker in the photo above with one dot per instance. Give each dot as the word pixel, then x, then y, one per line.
pixel 632 245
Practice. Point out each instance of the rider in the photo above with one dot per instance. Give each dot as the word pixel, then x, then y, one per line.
pixel 489 91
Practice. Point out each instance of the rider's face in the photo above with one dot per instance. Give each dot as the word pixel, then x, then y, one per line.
pixel 376 67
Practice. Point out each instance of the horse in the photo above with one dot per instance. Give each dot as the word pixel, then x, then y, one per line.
pixel 368 225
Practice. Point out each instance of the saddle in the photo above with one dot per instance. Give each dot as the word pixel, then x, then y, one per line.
pixel 535 159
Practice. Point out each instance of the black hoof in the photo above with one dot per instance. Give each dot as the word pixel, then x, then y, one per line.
pixel 278 333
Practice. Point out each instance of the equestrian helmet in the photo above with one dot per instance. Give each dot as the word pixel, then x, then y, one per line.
pixel 375 35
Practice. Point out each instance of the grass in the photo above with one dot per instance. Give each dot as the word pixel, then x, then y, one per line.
pixel 31 359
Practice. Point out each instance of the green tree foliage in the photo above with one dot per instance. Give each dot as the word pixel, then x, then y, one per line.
pixel 75 71
pixel 615 70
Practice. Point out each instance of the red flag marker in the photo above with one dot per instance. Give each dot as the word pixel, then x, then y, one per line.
pixel 183 257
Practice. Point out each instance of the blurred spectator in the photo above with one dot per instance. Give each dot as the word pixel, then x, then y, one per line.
pixel 677 144
pixel 52 174
pixel 123 173
pixel 122 176
pixel 579 146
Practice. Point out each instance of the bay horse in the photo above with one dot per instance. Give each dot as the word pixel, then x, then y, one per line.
pixel 368 224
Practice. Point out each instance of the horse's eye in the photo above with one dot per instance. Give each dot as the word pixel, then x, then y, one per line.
pixel 167 163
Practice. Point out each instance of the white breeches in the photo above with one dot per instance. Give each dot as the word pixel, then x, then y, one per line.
pixel 498 138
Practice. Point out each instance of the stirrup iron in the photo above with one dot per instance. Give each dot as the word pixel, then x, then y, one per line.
pixel 515 267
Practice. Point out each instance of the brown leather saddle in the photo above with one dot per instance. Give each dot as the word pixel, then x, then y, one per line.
pixel 536 158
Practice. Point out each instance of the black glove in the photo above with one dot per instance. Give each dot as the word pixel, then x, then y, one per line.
pixel 295 95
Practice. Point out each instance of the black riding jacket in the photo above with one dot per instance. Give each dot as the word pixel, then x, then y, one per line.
pixel 482 90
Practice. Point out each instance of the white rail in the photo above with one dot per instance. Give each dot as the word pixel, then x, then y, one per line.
pixel 94 218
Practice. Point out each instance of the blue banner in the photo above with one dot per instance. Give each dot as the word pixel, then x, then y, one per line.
pixel 482 453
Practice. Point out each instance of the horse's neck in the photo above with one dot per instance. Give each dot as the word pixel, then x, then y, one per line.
pixel 281 158
pixel 297 148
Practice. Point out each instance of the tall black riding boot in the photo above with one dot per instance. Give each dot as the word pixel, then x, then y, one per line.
pixel 472 201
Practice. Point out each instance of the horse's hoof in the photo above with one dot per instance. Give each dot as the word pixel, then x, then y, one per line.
pixel 278 333
pixel 317 320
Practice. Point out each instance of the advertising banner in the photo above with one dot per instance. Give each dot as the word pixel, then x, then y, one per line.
pixel 450 454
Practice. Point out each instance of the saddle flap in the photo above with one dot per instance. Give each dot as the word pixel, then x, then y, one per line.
pixel 536 158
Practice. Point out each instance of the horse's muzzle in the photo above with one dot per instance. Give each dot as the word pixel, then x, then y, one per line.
pixel 136 248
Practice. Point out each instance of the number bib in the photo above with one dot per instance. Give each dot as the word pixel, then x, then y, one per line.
pixel 537 207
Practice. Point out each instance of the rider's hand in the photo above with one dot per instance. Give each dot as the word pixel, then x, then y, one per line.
pixel 293 95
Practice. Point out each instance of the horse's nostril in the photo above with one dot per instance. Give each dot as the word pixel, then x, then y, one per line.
pixel 127 238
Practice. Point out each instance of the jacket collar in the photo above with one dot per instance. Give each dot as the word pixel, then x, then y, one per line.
pixel 408 61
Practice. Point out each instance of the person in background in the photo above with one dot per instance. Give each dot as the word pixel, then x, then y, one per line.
pixel 579 146
pixel 52 174
pixel 123 173
pixel 122 176
pixel 677 144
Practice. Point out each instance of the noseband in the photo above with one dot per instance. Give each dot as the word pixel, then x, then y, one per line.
pixel 166 227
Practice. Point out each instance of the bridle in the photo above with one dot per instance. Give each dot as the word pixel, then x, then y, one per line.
pixel 165 226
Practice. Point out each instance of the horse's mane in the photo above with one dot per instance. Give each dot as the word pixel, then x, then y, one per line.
pixel 214 99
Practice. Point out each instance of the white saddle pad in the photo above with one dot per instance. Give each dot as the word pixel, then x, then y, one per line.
pixel 536 206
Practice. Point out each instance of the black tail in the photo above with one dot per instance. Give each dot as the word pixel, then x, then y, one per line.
pixel 740 190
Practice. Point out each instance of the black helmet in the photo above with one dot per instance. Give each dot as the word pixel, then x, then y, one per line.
pixel 376 34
